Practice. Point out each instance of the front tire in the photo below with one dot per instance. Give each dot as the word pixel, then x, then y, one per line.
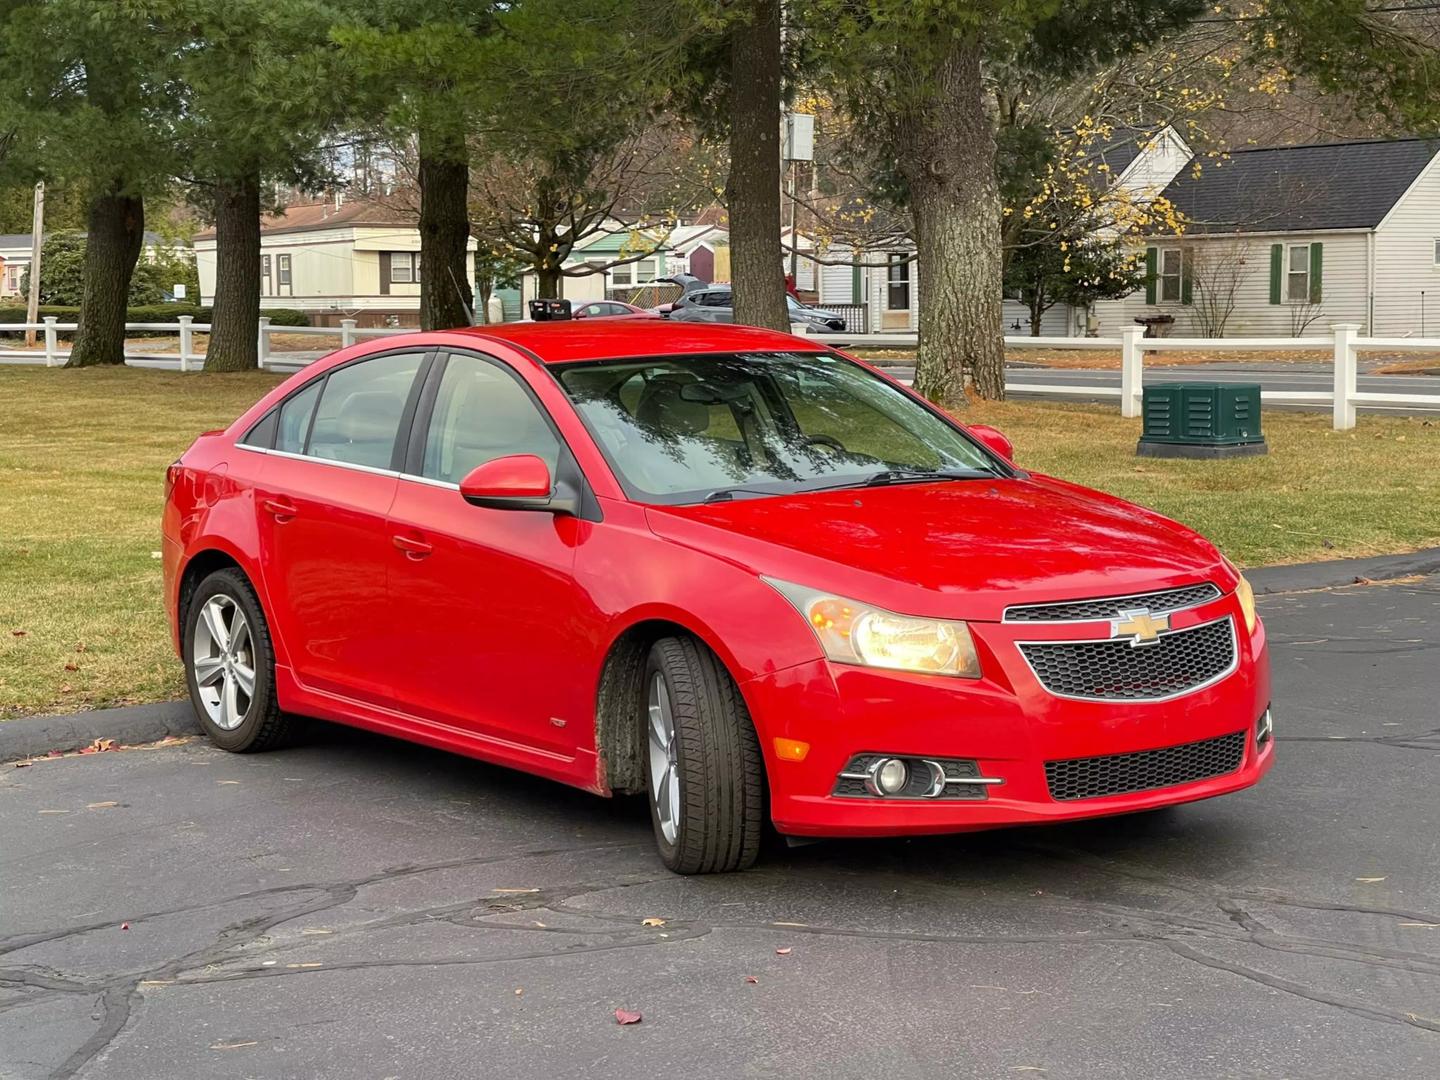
pixel 230 665
pixel 704 770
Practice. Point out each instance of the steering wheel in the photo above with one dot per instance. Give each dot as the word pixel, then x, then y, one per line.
pixel 827 441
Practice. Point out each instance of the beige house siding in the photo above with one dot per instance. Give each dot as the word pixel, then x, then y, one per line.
pixel 1344 294
pixel 1405 261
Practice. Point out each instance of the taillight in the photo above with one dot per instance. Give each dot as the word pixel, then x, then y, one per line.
pixel 172 474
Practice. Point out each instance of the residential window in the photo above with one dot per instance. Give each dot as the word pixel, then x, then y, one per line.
pixel 897 282
pixel 1297 277
pixel 1437 252
pixel 622 274
pixel 282 263
pixel 264 275
pixel 405 268
pixel 1172 272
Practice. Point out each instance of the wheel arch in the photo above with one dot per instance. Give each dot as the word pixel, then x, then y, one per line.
pixel 619 741
pixel 208 556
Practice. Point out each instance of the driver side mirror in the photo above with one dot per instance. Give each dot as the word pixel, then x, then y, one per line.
pixel 517 482
pixel 992 439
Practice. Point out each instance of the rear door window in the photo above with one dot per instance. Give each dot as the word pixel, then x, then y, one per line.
pixel 295 416
pixel 360 409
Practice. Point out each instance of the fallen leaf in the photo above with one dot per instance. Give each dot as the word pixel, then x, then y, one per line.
pixel 515 890
pixel 751 979
pixel 519 990
pixel 652 922
pixel 72 666
pixel 67 689
pixel 783 952
pixel 54 753
pixel 625 1016
pixel 227 781
pixel 1364 581
pixel 1369 880
pixel 80 647
pixel 231 1046
pixel 100 805
pixel 18 633
pixel 124 926
pixel 103 744
pixel 23 764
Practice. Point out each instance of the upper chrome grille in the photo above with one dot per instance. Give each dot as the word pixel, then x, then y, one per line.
pixel 1176 663
pixel 1112 607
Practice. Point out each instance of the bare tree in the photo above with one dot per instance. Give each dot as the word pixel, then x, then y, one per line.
pixel 1218 271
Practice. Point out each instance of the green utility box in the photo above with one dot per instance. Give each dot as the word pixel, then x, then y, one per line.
pixel 1201 420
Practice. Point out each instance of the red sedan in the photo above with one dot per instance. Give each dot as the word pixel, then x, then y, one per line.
pixel 729 567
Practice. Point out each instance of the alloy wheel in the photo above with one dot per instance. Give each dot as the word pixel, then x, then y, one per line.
pixel 664 774
pixel 222 659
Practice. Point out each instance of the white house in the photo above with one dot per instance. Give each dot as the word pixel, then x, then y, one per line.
pixel 883 283
pixel 334 260
pixel 15 252
pixel 1286 241
pixel 700 250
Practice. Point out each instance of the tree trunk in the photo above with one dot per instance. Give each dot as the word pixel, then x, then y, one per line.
pixel 445 297
pixel 757 264
pixel 547 280
pixel 1038 307
pixel 235 319
pixel 116 226
pixel 945 147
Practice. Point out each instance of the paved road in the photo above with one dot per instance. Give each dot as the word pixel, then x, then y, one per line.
pixel 358 908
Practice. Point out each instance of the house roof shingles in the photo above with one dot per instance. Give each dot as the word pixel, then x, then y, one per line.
pixel 1350 185
pixel 307 217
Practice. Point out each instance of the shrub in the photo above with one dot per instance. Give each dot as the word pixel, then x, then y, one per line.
pixel 280 316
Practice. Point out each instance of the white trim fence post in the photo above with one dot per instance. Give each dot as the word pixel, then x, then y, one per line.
pixel 1132 358
pixel 263 345
pixel 51 355
pixel 185 332
pixel 347 332
pixel 1344 408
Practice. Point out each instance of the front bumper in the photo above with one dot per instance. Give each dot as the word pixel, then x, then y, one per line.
pixel 1006 723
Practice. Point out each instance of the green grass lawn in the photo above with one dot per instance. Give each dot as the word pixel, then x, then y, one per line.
pixel 83 456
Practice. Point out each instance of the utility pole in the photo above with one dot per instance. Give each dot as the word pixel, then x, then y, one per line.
pixel 37 234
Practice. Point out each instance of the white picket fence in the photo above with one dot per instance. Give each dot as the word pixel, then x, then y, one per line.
pixel 1344 343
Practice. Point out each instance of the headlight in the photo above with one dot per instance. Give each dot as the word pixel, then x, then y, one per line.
pixel 854 633
pixel 1246 595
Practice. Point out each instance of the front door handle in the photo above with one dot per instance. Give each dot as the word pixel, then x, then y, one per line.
pixel 412 547
pixel 279 508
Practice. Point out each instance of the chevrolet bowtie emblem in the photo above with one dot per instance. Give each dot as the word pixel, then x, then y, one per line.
pixel 1140 626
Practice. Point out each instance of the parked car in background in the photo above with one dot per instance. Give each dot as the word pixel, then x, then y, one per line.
pixel 715 304
pixel 605 309
pixel 732 568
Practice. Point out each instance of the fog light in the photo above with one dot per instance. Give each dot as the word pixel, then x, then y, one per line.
pixel 888 776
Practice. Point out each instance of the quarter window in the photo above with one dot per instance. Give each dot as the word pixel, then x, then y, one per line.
pixel 360 408
pixel 1297 278
pixel 1172 269
pixel 897 282
pixel 482 412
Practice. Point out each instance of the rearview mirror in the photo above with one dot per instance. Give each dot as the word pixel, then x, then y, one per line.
pixel 515 482
pixel 992 439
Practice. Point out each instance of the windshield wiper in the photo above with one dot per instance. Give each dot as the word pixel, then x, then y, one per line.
pixel 916 476
pixel 726 494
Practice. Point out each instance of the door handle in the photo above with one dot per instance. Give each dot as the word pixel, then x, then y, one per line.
pixel 279 508
pixel 413 548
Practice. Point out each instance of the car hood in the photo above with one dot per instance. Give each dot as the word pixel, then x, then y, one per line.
pixel 961 549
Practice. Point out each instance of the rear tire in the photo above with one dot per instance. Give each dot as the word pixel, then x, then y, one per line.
pixel 704 770
pixel 230 665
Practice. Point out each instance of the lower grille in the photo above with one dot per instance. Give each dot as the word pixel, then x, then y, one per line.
pixel 1175 663
pixel 1117 774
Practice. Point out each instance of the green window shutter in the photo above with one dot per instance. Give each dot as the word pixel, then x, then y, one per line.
pixel 1187 285
pixel 1277 271
pixel 1317 269
pixel 857 291
pixel 1152 260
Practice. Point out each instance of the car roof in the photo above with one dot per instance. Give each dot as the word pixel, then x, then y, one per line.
pixel 565 341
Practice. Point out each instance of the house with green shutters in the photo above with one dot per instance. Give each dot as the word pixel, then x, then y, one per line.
pixel 1287 241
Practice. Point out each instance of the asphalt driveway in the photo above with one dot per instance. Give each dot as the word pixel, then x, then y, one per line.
pixel 355 907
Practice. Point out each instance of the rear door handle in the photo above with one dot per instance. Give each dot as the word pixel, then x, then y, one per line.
pixel 281 510
pixel 413 548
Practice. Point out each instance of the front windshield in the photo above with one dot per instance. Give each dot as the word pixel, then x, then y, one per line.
pixel 686 428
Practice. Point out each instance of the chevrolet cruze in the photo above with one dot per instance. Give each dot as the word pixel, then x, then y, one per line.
pixel 733 569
